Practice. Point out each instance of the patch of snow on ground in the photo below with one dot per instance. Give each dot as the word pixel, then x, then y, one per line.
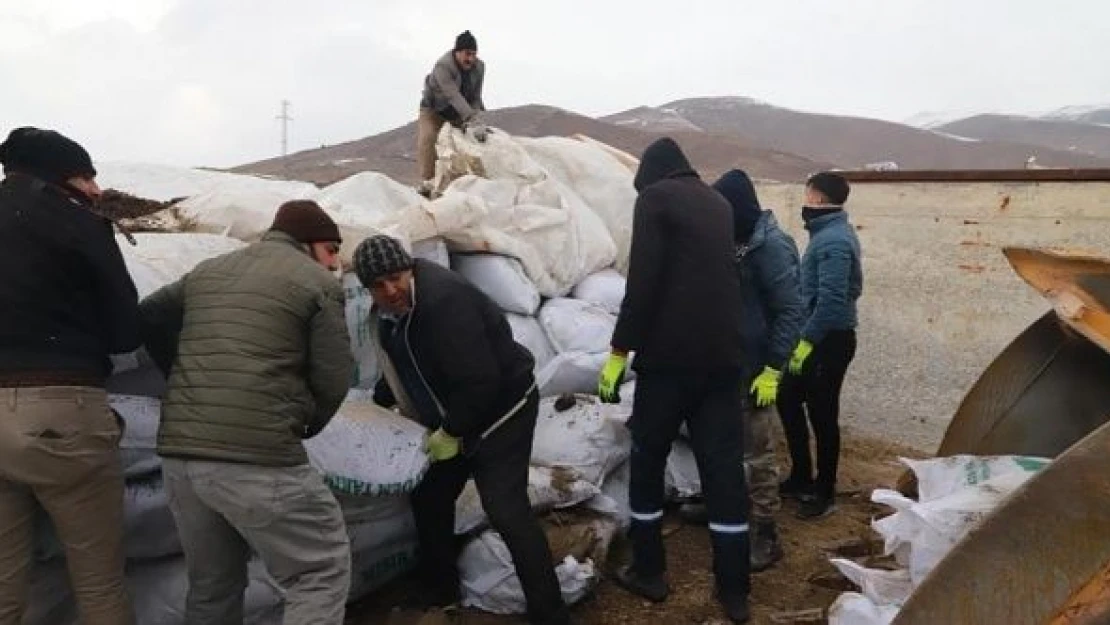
pixel 956 137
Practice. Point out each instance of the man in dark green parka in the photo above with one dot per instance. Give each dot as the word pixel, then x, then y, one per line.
pixel 258 358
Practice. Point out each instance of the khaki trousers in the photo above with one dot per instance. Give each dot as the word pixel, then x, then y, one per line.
pixel 427 131
pixel 759 456
pixel 59 449
pixel 286 515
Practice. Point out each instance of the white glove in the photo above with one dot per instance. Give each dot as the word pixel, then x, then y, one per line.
pixel 481 132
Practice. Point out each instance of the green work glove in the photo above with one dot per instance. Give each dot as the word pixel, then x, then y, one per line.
pixel 441 446
pixel 800 355
pixel 612 375
pixel 765 387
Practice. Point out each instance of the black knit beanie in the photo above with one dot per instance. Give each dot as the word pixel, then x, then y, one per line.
pixel 466 41
pixel 378 256
pixel 45 154
pixel 306 222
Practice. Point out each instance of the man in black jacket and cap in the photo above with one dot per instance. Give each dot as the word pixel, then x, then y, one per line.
pixel 449 361
pixel 681 316
pixel 66 304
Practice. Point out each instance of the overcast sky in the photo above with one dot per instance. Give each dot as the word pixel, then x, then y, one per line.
pixel 199 82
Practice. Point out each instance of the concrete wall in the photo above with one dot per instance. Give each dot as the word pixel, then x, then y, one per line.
pixel 940 301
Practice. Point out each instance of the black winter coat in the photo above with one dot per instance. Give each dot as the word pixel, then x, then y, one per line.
pixel 464 353
pixel 66 299
pixel 681 309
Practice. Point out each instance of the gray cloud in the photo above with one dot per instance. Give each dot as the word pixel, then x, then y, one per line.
pixel 198 82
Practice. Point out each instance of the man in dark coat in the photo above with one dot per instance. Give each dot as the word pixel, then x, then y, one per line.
pixel 66 304
pixel 681 317
pixel 449 361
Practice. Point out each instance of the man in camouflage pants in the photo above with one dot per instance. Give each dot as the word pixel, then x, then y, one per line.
pixel 772 310
pixel 763 484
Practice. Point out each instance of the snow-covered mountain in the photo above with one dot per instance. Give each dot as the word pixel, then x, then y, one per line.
pixel 657 119
pixel 850 142
pixel 932 119
pixel 1089 114
pixel 1098 114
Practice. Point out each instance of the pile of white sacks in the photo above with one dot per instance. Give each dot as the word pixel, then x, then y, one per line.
pixel 541 225
pixel 955 494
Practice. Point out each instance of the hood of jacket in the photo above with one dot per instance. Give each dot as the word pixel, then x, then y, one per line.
pixel 662 159
pixel 738 189
pixel 763 226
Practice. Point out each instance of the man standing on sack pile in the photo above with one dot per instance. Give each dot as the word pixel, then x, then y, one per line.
pixel 452 93
pixel 260 360
pixel 66 304
pixel 449 361
pixel 832 282
pixel 681 315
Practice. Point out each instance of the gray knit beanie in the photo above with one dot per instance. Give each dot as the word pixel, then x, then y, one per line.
pixel 379 256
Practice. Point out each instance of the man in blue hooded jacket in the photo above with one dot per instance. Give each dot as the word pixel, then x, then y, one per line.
pixel 771 317
pixel 832 282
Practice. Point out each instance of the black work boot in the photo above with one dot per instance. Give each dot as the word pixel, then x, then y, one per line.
pixel 651 587
pixel 426 599
pixel 766 549
pixel 795 487
pixel 732 568
pixel 562 617
pixel 813 506
pixel 735 605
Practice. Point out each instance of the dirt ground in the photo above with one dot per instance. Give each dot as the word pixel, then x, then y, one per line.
pixel 796 592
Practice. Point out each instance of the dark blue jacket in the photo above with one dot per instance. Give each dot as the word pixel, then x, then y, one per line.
pixel 772 312
pixel 832 277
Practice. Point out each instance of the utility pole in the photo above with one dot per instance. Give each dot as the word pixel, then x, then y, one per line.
pixel 285 119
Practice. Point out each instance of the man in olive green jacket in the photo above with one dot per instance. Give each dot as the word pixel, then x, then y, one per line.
pixel 258 356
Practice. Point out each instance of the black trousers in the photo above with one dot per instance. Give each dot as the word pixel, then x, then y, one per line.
pixel 814 396
pixel 499 466
pixel 709 402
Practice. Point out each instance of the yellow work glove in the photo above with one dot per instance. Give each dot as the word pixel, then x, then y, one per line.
pixel 765 387
pixel 798 358
pixel 441 446
pixel 612 375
